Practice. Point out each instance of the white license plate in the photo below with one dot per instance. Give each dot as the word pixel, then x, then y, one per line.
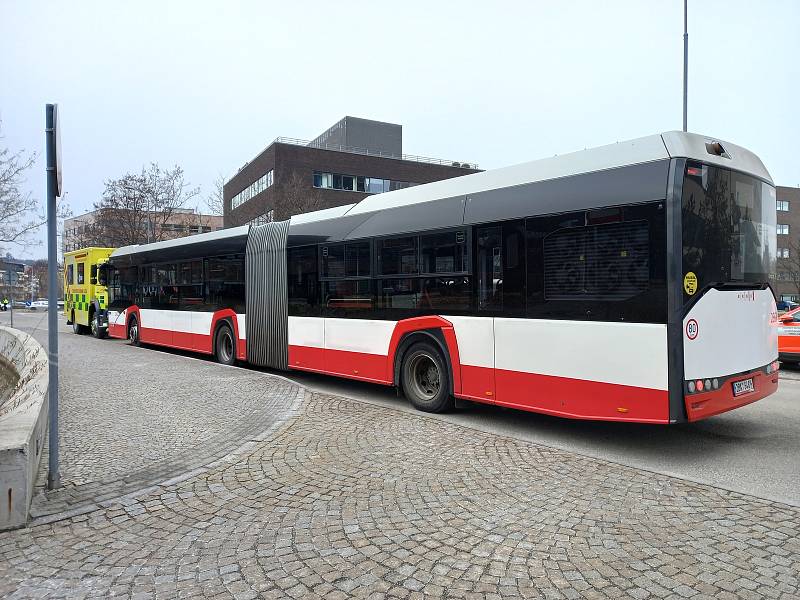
pixel 742 387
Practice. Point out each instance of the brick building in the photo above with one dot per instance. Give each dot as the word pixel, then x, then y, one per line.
pixel 787 273
pixel 351 160
pixel 78 231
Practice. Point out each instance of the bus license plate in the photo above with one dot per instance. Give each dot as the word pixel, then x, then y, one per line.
pixel 742 387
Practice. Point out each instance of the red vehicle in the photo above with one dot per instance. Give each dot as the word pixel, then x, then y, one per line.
pixel 789 336
pixel 601 284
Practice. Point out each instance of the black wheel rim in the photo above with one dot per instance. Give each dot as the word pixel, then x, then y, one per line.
pixel 426 380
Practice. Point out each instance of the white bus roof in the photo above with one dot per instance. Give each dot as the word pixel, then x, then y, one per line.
pixel 212 236
pixel 672 144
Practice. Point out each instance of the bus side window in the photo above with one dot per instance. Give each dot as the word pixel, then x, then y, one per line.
pixel 302 280
pixel 80 273
pixel 489 268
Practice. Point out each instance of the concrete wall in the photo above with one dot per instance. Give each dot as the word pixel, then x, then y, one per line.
pixel 23 425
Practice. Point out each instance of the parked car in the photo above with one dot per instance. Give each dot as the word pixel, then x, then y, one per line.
pixel 789 336
pixel 40 304
pixel 785 305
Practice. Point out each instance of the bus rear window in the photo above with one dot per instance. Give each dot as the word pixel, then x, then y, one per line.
pixel 728 223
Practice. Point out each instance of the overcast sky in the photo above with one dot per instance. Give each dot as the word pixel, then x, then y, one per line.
pixel 207 85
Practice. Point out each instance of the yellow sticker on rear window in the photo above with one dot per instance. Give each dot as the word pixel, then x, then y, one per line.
pixel 690 283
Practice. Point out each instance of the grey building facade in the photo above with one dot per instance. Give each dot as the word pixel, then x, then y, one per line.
pixel 353 159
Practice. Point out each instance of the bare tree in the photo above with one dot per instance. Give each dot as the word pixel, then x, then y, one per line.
pixel 136 207
pixel 215 200
pixel 19 216
pixel 297 196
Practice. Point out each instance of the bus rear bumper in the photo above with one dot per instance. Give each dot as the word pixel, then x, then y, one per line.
pixel 707 404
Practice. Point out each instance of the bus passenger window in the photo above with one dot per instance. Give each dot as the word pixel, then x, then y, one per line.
pixel 490 268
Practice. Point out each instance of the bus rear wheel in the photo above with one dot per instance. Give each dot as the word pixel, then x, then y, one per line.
pixel 425 380
pixel 225 347
pixel 133 332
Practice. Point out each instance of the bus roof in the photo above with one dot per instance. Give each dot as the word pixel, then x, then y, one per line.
pixel 575 181
pixel 213 237
pixel 672 144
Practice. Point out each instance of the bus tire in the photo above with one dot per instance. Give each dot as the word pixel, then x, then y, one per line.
pixel 133 332
pixel 77 328
pixel 425 379
pixel 225 346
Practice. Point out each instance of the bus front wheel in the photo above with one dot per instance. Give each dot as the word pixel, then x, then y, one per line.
pixel 425 380
pixel 225 347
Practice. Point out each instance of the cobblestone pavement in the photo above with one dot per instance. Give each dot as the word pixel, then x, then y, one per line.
pixel 345 499
pixel 158 415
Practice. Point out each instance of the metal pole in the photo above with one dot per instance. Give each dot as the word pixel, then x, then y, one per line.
pixel 685 58
pixel 53 476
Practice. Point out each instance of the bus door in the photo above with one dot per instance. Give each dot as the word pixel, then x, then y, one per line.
pixel 479 383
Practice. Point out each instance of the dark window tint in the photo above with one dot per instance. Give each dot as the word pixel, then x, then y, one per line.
pixel 357 259
pixel 71 274
pixel 444 252
pixel 612 271
pixel 333 260
pixel 302 280
pixel 346 260
pixel 80 273
pixel 191 297
pixel 348 182
pixel 225 269
pixel 337 181
pixel 397 256
pixel 225 294
pixel 489 268
pixel 513 261
pixel 347 297
pixel 728 222
pixel 185 273
pixel 440 294
pixel 597 262
pixel 166 274
pixel 395 295
pixel 93 274
pixel 361 184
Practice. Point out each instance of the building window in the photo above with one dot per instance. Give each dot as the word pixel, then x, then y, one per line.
pixel 267 217
pixel 783 205
pixel 783 253
pixel 783 229
pixel 253 189
pixel 357 183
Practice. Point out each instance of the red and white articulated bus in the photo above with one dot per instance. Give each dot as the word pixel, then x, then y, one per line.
pixel 627 282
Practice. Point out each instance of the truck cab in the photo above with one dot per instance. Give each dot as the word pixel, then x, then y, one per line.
pixel 86 290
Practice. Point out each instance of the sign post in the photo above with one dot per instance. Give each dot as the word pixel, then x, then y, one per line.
pixel 53 139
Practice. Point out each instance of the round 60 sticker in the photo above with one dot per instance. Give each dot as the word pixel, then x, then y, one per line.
pixel 692 329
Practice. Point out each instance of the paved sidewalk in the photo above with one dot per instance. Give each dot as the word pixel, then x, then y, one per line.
pixel 350 500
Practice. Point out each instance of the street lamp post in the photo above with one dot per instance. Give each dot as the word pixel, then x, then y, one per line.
pixel 685 59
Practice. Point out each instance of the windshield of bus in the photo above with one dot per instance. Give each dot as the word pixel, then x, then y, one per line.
pixel 728 229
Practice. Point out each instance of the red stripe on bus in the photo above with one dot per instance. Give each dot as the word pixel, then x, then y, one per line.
pixel 564 396
pixel 708 404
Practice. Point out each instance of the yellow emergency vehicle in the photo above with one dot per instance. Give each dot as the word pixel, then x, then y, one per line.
pixel 86 291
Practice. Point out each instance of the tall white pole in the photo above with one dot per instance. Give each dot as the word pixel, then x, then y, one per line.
pixel 685 58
